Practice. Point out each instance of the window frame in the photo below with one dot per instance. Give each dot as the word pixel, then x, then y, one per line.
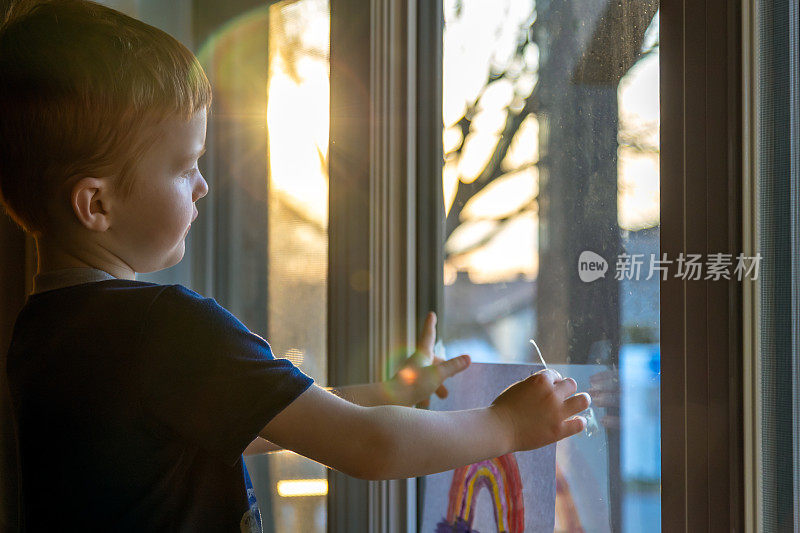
pixel 701 212
pixel 372 228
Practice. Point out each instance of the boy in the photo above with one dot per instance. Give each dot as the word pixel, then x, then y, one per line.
pixel 153 392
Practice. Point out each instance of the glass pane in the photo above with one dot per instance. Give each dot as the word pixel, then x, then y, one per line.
pixel 297 128
pixel 551 150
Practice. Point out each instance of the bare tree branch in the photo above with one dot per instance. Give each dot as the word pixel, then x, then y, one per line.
pixel 492 170
pixel 502 222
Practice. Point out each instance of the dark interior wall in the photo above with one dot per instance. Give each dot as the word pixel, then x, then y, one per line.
pixel 12 296
pixel 13 282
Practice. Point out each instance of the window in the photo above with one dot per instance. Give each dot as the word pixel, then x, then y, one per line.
pixel 551 156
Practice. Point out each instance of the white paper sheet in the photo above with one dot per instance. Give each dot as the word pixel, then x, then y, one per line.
pixel 513 494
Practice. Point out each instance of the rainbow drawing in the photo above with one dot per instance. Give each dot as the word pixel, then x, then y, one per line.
pixel 500 476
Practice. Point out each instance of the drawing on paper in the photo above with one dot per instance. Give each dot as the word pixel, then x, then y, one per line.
pixel 500 477
pixel 514 493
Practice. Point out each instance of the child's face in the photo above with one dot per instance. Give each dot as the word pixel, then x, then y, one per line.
pixel 150 225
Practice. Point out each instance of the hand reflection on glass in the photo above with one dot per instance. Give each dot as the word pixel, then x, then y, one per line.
pixel 604 390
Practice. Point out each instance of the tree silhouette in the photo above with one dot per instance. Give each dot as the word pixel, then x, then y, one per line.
pixel 514 119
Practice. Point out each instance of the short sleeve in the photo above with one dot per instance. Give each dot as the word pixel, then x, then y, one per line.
pixel 207 378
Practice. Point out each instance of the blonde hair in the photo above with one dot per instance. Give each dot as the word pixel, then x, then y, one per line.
pixel 80 86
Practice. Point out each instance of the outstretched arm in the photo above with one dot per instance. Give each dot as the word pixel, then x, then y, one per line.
pixel 389 442
pixel 421 375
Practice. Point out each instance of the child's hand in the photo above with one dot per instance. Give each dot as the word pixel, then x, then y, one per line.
pixel 540 410
pixel 423 373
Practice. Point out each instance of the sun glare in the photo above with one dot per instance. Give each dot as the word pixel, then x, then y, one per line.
pixel 298 114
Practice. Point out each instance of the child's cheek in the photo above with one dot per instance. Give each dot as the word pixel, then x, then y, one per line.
pixel 162 221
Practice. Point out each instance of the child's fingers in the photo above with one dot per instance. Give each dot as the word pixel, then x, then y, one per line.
pixel 441 392
pixel 428 337
pixel 576 404
pixel 553 376
pixel 453 366
pixel 419 359
pixel 566 387
pixel 572 426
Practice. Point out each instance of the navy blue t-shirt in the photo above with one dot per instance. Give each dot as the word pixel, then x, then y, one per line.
pixel 133 404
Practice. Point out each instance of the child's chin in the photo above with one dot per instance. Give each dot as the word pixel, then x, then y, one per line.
pixel 165 262
pixel 178 254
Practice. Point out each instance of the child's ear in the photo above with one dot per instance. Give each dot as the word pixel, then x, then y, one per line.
pixel 90 200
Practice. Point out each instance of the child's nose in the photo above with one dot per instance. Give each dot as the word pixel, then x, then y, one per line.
pixel 200 188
